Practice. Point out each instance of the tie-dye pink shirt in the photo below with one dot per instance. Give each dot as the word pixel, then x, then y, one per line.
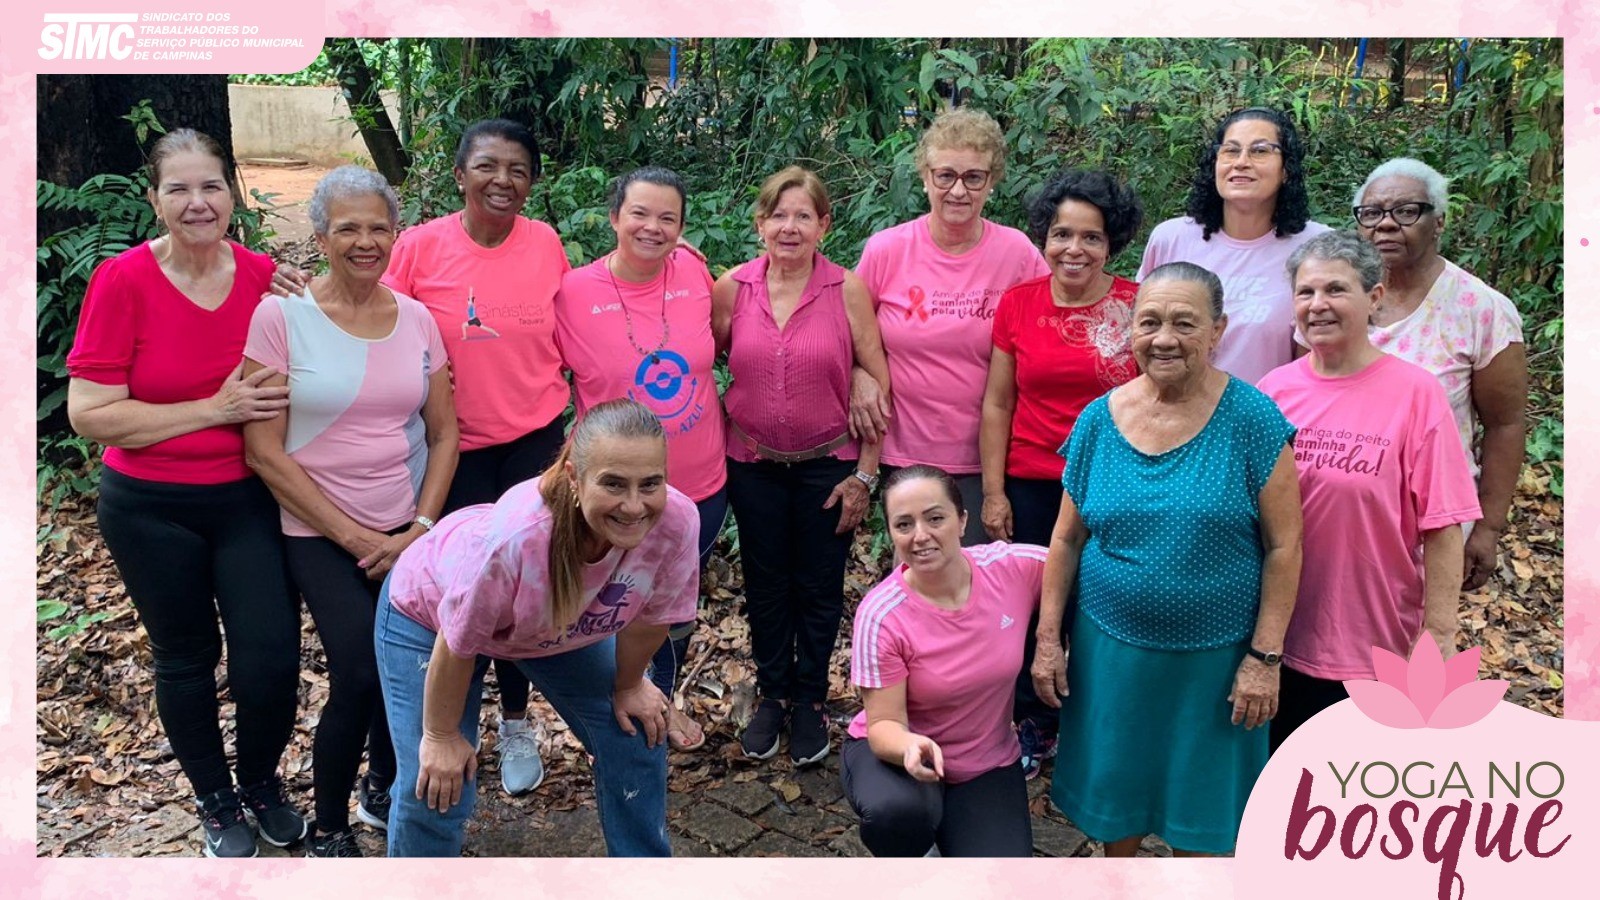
pixel 481 578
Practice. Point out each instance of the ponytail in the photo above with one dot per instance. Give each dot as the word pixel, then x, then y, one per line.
pixel 568 529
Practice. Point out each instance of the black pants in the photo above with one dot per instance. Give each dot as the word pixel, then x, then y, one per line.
pixel 343 602
pixel 1035 505
pixel 189 554
pixel 900 816
pixel 482 475
pixel 1300 696
pixel 664 665
pixel 793 570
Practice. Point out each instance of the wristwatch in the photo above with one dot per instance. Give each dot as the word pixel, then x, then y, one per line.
pixel 426 523
pixel 871 481
pixel 1269 658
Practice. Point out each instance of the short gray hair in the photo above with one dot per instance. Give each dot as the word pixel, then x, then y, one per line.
pixel 1340 246
pixel 342 184
pixel 1188 272
pixel 1437 186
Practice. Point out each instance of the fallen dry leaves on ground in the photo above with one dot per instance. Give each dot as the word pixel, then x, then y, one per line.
pixel 105 770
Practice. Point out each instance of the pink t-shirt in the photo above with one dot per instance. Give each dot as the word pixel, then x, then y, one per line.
pixel 934 312
pixel 495 307
pixel 611 335
pixel 959 666
pixel 138 330
pixel 355 405
pixel 1461 326
pixel 1379 465
pixel 791 386
pixel 1065 358
pixel 481 578
pixel 1256 293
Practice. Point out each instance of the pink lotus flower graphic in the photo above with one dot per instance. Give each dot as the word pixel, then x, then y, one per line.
pixel 1429 691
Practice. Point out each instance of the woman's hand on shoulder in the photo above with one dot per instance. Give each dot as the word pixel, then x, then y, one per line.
pixel 444 765
pixel 244 398
pixel 1255 693
pixel 924 761
pixel 287 281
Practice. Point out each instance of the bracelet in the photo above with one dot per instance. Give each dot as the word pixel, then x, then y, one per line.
pixel 426 523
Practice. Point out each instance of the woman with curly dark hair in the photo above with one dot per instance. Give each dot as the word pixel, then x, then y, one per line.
pixel 1247 211
pixel 1060 341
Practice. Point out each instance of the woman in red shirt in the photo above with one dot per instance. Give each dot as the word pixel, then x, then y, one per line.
pixel 155 376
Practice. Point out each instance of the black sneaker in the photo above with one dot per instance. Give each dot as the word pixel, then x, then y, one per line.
pixel 333 844
pixel 280 825
pixel 808 734
pixel 760 738
pixel 372 803
pixel 228 834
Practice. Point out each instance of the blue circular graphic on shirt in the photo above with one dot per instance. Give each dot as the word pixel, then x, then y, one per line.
pixel 662 375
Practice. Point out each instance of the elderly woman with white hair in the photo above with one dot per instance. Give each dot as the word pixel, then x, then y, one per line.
pixel 360 465
pixel 1444 319
pixel 1384 487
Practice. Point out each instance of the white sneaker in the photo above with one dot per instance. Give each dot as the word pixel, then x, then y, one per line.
pixel 521 769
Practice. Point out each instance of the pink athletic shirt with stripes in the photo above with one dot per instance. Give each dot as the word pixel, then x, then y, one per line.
pixel 959 666
pixel 481 578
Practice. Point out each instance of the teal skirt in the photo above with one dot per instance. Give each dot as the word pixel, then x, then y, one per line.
pixel 1148 745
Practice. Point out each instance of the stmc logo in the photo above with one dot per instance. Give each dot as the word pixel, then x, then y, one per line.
pixel 87 35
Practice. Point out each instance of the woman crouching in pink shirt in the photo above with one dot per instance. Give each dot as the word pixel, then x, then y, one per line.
pixel 1383 482
pixel 932 760
pixel 575 577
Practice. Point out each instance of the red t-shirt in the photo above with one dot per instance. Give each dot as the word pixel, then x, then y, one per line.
pixel 1066 357
pixel 137 329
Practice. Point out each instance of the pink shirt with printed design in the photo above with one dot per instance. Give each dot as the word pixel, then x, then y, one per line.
pixel 935 312
pixel 481 578
pixel 959 666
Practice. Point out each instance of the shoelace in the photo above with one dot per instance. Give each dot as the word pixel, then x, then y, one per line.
pixel 518 745
pixel 342 844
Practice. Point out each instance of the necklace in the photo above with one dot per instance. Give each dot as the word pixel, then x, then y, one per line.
pixel 627 318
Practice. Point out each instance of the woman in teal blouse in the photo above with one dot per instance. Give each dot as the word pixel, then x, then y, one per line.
pixel 1180 529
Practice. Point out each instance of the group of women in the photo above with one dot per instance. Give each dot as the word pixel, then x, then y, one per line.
pixel 1144 503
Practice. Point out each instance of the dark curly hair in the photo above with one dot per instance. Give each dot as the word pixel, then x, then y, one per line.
pixel 1293 208
pixel 1118 203
pixel 515 132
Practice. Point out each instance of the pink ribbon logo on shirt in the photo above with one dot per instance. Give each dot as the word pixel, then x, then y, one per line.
pixel 919 304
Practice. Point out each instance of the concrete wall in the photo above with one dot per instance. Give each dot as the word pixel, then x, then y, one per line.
pixel 309 123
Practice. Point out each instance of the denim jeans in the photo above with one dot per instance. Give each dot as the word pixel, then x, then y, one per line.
pixel 630 778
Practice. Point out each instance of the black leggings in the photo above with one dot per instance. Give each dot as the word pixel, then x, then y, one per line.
pixel 1300 696
pixel 900 816
pixel 1035 505
pixel 343 602
pixel 482 475
pixel 187 554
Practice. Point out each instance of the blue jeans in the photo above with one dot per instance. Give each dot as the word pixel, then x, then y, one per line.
pixel 630 779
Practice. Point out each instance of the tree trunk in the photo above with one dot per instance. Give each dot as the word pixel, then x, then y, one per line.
pixel 1397 72
pixel 360 89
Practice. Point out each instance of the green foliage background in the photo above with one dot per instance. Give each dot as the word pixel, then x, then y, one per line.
pixel 1488 115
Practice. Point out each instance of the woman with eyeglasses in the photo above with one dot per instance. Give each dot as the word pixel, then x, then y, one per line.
pixel 1247 211
pixel 1469 335
pixel 936 282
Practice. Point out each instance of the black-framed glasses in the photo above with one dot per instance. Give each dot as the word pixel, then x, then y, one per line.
pixel 1259 152
pixel 1403 214
pixel 974 179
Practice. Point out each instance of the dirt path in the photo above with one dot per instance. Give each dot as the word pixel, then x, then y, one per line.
pixel 291 186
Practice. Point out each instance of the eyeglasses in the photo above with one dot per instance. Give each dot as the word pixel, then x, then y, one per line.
pixel 1259 152
pixel 1404 214
pixel 974 179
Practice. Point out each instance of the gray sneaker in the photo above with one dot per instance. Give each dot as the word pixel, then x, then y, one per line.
pixel 521 769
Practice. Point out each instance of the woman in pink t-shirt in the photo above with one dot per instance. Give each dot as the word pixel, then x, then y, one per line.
pixel 932 760
pixel 360 466
pixel 636 323
pixel 1468 334
pixel 155 378
pixel 575 577
pixel 1383 483
pixel 794 323
pixel 935 284
pixel 1247 211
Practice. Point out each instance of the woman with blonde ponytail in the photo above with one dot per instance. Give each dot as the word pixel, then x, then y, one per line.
pixel 575 577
